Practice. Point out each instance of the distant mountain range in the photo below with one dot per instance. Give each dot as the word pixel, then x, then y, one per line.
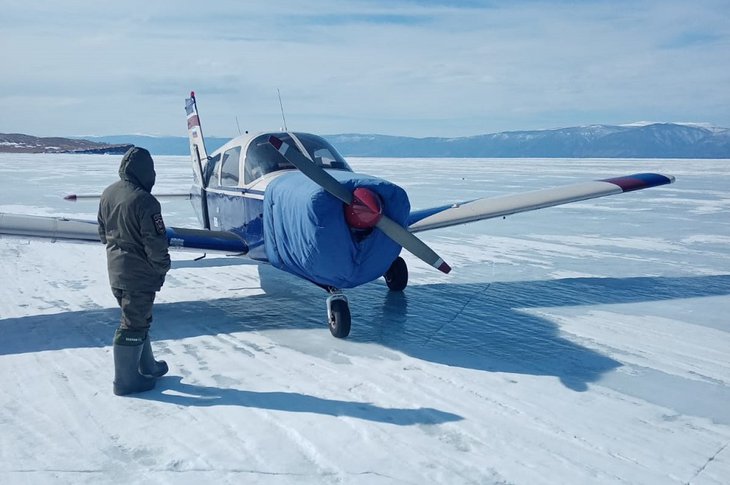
pixel 656 140
pixel 640 140
pixel 649 140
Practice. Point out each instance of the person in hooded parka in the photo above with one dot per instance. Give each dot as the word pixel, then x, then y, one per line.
pixel 131 226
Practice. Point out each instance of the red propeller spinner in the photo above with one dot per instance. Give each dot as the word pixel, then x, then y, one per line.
pixel 365 210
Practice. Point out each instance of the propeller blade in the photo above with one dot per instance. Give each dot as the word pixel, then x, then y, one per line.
pixel 411 243
pixel 310 169
pixel 300 159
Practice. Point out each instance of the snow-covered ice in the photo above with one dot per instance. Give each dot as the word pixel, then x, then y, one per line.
pixel 588 343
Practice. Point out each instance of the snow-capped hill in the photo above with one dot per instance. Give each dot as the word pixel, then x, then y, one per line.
pixel 637 140
pixel 707 126
pixel 664 140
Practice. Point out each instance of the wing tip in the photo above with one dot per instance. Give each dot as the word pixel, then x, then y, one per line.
pixel 640 181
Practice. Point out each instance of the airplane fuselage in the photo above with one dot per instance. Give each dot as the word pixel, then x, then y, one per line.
pixel 240 211
pixel 289 221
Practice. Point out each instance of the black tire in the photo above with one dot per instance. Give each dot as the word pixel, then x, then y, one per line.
pixel 340 322
pixel 397 275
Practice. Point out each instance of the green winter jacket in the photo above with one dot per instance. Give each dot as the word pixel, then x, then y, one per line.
pixel 131 226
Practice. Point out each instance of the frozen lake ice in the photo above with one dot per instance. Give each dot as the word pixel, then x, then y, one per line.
pixel 587 343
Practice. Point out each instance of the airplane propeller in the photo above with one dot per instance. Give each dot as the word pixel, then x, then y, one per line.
pixel 363 206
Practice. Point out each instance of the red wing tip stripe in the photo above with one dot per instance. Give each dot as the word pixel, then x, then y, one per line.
pixel 639 181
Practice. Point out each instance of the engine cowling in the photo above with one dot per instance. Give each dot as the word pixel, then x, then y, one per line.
pixel 310 233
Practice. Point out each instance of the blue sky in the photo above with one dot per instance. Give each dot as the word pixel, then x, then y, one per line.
pixel 401 67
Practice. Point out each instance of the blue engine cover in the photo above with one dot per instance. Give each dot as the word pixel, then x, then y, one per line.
pixel 305 232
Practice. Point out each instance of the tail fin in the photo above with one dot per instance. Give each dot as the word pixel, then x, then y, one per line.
pixel 195 135
pixel 198 154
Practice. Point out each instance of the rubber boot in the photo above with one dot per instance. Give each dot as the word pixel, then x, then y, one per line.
pixel 128 345
pixel 148 366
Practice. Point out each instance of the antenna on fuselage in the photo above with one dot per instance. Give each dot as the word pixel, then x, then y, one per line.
pixel 239 126
pixel 282 109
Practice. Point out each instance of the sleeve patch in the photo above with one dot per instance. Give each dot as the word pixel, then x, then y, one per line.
pixel 159 223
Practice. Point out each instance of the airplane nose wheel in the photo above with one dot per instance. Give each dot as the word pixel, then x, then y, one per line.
pixel 397 275
pixel 338 314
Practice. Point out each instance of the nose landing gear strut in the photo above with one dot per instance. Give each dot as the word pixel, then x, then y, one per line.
pixel 338 307
pixel 338 313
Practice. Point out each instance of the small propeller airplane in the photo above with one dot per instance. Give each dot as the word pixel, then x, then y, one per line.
pixel 291 200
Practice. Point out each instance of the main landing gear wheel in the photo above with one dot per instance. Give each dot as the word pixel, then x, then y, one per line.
pixel 338 315
pixel 397 275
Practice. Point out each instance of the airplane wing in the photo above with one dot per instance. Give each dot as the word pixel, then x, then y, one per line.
pixel 488 208
pixel 158 196
pixel 61 228
pixel 77 230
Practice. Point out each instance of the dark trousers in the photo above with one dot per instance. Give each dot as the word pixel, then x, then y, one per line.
pixel 136 308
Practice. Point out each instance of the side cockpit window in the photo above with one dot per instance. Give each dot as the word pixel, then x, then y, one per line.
pixel 231 167
pixel 211 170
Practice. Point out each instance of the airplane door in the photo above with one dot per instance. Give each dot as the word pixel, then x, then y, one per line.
pixel 225 196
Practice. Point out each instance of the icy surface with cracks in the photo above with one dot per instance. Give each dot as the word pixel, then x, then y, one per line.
pixel 588 343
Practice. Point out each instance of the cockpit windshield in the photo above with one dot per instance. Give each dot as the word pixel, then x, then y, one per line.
pixel 262 158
